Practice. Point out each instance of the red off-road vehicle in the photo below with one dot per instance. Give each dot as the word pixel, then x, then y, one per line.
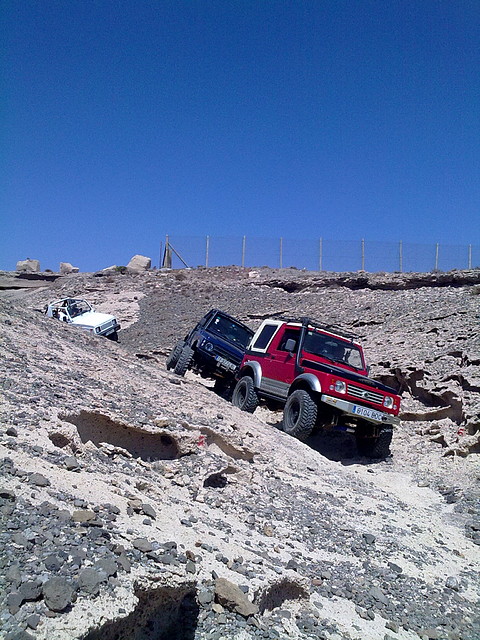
pixel 319 374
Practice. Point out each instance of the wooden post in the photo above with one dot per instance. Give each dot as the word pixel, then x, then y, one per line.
pixel 320 255
pixel 244 242
pixel 207 250
pixel 363 254
pixel 436 257
pixel 469 256
pixel 281 253
pixel 400 256
pixel 167 259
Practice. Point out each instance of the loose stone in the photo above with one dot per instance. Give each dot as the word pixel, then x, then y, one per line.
pixel 58 593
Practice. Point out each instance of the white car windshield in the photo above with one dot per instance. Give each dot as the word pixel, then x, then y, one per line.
pixel 77 307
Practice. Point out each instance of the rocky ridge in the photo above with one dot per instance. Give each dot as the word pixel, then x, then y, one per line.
pixel 134 499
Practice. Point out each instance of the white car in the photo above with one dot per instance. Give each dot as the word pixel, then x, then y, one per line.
pixel 81 314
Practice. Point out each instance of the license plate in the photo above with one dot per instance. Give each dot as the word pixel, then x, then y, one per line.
pixel 368 413
pixel 225 363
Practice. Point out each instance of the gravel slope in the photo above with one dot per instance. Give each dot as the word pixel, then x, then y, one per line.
pixel 126 492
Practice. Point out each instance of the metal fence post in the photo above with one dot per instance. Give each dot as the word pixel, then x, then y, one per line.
pixel 281 253
pixel 363 254
pixel 244 242
pixel 207 250
pixel 400 256
pixel 320 255
pixel 436 257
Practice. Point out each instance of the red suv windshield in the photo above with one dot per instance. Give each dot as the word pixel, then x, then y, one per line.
pixel 333 349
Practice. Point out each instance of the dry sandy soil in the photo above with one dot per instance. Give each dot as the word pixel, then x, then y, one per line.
pixel 127 493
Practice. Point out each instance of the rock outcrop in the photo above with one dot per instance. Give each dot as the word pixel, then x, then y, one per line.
pixel 28 266
pixel 139 264
pixel 66 268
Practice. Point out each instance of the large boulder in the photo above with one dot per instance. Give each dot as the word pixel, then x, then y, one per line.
pixel 230 596
pixel 28 266
pixel 139 264
pixel 66 267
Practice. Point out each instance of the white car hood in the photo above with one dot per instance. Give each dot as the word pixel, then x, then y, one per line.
pixel 92 319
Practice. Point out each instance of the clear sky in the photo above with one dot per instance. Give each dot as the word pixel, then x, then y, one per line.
pixel 125 120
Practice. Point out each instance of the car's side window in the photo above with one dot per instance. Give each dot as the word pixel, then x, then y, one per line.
pixel 290 334
pixel 265 336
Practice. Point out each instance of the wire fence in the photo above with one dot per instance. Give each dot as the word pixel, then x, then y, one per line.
pixel 315 254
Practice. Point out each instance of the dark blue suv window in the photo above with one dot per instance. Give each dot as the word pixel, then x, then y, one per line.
pixel 230 330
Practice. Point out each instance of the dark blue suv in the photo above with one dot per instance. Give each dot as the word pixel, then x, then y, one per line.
pixel 214 348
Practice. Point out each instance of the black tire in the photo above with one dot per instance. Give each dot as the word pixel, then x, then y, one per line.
pixel 113 336
pixel 174 355
pixel 378 447
pixel 299 414
pixel 184 360
pixel 244 395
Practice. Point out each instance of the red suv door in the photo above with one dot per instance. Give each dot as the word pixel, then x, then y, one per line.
pixel 278 364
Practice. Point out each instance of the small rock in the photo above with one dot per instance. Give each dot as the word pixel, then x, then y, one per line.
pixel 33 621
pixel 20 539
pixel 124 562
pixel 57 593
pixel 149 511
pixel 14 602
pixel 142 544
pixel 39 480
pixel 89 580
pixel 53 562
pixel 452 583
pixel 71 464
pixel 378 595
pixel 108 566
pixel 13 575
pixel 31 590
pixel 205 596
pixel 392 626
pixel 431 634
pixel 190 567
pixel 135 504
pixel 83 515
pixel 362 613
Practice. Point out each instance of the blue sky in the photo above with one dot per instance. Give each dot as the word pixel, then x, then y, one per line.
pixel 127 120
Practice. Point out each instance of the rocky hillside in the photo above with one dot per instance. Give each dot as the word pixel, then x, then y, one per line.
pixel 139 505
